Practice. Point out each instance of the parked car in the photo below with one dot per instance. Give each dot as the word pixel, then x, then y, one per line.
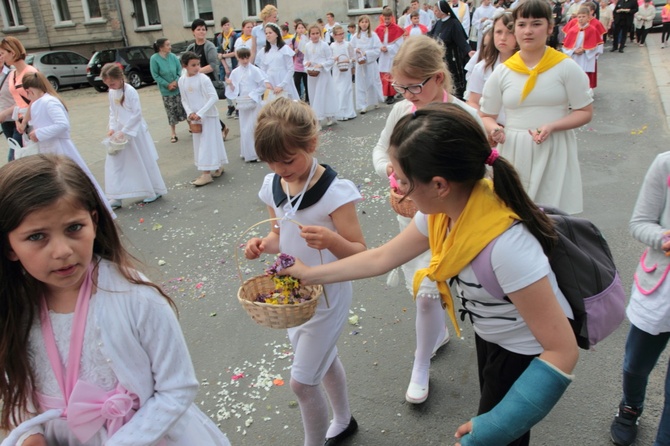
pixel 61 68
pixel 133 59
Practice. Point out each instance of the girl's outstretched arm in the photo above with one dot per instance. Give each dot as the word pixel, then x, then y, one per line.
pixel 345 241
pixel 402 248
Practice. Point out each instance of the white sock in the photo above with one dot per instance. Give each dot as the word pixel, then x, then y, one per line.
pixel 335 383
pixel 314 411
pixel 430 325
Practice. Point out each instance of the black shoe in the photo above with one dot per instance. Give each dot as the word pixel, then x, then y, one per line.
pixel 613 49
pixel 390 100
pixel 230 112
pixel 621 50
pixel 624 427
pixel 348 432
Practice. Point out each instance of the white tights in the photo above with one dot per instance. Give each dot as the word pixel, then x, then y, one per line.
pixel 430 328
pixel 314 405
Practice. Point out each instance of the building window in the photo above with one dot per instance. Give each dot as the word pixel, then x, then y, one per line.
pixel 146 13
pixel 254 7
pixel 61 11
pixel 11 16
pixel 358 5
pixel 92 9
pixel 198 9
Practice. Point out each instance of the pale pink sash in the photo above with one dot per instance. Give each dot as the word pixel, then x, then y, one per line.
pixel 85 406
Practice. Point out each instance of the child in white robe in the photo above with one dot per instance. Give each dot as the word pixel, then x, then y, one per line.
pixel 319 60
pixel 96 346
pixel 344 57
pixel 367 47
pixel 199 99
pixel 133 171
pixel 246 84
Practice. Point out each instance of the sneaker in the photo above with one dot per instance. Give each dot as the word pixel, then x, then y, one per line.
pixel 663 45
pixel 115 204
pixel 624 427
pixel 237 114
pixel 230 112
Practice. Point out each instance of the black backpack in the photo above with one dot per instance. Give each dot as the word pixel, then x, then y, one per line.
pixel 585 273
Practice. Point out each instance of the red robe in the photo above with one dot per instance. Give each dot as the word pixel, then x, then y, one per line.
pixel 591 36
pixel 423 29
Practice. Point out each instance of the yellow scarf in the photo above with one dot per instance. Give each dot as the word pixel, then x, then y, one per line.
pixel 288 37
pixel 226 39
pixel 484 218
pixel 244 37
pixel 549 60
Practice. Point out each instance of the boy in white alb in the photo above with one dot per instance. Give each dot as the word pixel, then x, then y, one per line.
pixel 246 84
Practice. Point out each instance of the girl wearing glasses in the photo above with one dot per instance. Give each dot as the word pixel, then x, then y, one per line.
pixel 421 76
pixel 538 137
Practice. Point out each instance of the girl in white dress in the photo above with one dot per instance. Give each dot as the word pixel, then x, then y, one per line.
pixel 286 139
pixel 247 39
pixel 49 124
pixel 94 345
pixel 318 58
pixel 541 111
pixel 246 85
pixel 132 172
pixel 199 99
pixel 344 57
pixel 276 60
pixel 502 45
pixel 367 47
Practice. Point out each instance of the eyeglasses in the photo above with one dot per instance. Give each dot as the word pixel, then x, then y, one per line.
pixel 414 89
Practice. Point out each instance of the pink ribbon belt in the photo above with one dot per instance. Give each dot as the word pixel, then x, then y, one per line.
pixel 90 408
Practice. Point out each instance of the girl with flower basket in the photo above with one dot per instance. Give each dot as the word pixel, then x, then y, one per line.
pixel 301 189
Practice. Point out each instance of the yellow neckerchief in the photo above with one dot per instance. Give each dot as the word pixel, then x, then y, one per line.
pixel 226 39
pixel 244 37
pixel 484 218
pixel 550 58
pixel 287 37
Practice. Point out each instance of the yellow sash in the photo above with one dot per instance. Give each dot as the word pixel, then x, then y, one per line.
pixel 244 37
pixel 484 218
pixel 550 58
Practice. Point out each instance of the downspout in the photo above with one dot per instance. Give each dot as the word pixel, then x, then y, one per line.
pixel 123 24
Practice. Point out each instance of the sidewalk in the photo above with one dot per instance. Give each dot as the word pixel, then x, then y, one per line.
pixel 660 64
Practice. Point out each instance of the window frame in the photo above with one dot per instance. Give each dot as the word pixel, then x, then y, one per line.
pixel 146 26
pixel 56 6
pixel 194 5
pixel 362 10
pixel 88 18
pixel 259 5
pixel 14 12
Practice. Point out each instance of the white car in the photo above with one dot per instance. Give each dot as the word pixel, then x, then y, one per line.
pixel 61 68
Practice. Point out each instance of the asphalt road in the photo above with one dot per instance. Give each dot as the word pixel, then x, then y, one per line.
pixel 188 241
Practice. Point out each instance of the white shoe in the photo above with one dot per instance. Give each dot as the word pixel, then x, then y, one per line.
pixel 444 341
pixel 416 394
pixel 663 45
pixel 115 204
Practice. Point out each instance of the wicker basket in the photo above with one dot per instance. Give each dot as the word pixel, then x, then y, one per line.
pixel 343 63
pixel 313 73
pixel 406 207
pixel 277 316
pixel 269 315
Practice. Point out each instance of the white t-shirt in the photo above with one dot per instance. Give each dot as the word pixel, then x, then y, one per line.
pixel 518 261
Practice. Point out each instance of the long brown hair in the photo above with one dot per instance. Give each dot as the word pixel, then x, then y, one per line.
pixel 112 70
pixel 39 81
pixel 490 52
pixel 26 185
pixel 444 140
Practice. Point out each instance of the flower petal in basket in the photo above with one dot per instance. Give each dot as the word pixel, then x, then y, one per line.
pixel 276 316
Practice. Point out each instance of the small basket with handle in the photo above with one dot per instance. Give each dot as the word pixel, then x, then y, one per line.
pixel 343 63
pixel 402 205
pixel 270 315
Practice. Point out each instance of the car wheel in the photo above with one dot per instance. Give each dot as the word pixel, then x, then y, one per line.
pixel 100 88
pixel 134 79
pixel 54 83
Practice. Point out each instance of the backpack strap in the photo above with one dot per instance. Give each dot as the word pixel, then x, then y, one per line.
pixel 483 269
pixel 481 266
